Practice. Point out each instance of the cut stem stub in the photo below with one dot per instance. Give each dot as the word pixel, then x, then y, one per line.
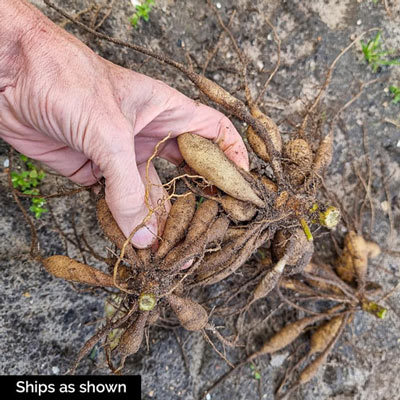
pixel 375 309
pixel 147 301
pixel 330 217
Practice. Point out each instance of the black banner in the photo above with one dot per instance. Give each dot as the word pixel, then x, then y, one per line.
pixel 35 387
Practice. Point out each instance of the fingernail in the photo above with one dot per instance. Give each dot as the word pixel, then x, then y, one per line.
pixel 145 236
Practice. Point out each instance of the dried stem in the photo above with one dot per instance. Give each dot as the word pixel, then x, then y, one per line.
pixel 206 337
pixel 278 62
pixel 219 42
pixel 328 80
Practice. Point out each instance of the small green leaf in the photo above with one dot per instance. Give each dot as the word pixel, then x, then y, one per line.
pixel 38 211
pixel 142 12
pixel 374 55
pixel 134 20
pixel 27 181
pixel 41 175
pixel 256 372
pixel 396 94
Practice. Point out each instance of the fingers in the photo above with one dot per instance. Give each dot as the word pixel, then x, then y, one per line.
pixel 232 146
pixel 161 110
pixel 184 115
pixel 131 193
pixel 112 148
pixel 61 158
pixel 125 196
pixel 213 125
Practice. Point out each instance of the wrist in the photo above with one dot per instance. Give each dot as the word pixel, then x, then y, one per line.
pixel 19 24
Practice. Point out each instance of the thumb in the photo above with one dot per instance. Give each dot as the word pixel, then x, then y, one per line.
pixel 125 192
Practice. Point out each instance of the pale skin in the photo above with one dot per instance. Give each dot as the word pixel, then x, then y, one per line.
pixel 88 118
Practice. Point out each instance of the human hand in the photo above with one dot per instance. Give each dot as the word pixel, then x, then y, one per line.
pixel 85 117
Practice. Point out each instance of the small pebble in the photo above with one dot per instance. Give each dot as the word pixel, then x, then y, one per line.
pixel 277 360
pixel 385 206
pixel 398 144
pixel 359 22
pixel 218 5
pixel 55 370
pixel 6 163
pixel 208 397
pixel 216 77
pixel 151 393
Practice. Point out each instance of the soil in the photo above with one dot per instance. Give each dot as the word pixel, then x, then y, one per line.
pixel 43 321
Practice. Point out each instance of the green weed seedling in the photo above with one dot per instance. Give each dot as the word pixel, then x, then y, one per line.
pixel 256 372
pixel 142 12
pixel 27 181
pixel 396 94
pixel 374 55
